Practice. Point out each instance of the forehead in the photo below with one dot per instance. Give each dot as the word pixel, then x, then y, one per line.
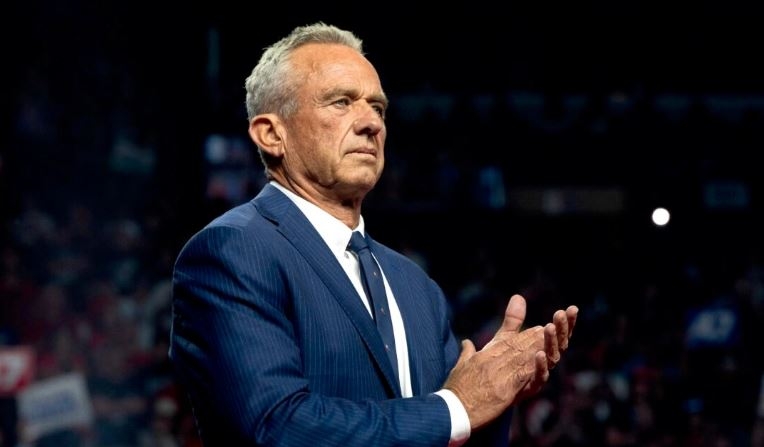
pixel 335 62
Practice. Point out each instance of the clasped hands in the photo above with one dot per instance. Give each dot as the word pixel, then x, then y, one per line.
pixel 514 365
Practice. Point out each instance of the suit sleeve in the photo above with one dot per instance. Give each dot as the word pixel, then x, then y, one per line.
pixel 235 351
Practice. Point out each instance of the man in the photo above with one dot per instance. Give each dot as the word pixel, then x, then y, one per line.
pixel 274 334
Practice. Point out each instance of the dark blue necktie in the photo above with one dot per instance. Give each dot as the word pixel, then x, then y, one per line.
pixel 371 277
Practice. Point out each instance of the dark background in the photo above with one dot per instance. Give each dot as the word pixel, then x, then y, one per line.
pixel 103 176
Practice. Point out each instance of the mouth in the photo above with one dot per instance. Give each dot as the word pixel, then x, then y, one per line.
pixel 364 151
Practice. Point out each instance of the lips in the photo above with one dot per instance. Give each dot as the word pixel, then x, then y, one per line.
pixel 367 151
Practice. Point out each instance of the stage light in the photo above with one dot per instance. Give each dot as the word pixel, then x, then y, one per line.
pixel 661 216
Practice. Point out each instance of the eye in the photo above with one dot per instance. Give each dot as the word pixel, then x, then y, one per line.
pixel 343 102
pixel 380 109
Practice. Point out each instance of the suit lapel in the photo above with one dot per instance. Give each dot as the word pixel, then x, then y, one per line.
pixel 296 228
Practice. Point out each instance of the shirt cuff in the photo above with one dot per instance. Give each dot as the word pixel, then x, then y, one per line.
pixel 460 420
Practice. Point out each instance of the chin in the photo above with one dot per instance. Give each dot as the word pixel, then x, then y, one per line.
pixel 358 186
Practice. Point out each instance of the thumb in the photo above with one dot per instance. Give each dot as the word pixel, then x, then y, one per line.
pixel 514 315
pixel 468 350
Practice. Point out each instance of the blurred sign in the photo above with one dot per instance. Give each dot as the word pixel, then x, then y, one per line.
pixel 17 369
pixel 726 195
pixel 567 200
pixel 230 166
pixel 714 326
pixel 53 404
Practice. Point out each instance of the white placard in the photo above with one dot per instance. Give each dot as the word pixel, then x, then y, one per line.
pixel 54 404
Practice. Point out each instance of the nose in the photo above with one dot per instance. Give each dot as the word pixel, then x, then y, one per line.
pixel 369 121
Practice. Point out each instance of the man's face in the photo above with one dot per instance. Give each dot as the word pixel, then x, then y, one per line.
pixel 335 141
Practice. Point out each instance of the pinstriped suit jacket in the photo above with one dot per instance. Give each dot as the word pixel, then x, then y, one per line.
pixel 274 346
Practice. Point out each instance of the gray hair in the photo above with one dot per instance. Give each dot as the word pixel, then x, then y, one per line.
pixel 271 85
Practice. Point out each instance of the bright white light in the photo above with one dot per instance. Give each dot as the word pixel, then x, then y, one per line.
pixel 661 216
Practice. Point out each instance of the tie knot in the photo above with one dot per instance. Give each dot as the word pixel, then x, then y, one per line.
pixel 357 242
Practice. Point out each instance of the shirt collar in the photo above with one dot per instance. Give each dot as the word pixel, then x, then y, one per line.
pixel 335 233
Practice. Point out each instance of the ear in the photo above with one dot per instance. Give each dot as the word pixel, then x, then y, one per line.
pixel 267 132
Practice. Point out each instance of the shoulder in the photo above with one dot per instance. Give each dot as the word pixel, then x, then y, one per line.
pixel 239 216
pixel 241 228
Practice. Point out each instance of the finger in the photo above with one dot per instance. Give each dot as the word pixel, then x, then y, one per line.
pixel 514 315
pixel 572 313
pixel 560 319
pixel 542 365
pixel 551 345
pixel 541 374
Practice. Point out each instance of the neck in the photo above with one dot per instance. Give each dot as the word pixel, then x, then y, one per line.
pixel 345 208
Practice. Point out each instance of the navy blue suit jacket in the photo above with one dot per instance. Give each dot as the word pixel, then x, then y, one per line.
pixel 274 346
